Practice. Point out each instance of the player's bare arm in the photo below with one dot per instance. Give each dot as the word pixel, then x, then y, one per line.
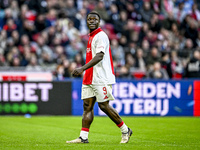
pixel 94 61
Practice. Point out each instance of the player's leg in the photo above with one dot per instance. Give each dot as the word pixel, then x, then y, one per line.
pixel 110 112
pixel 87 118
pixel 104 95
pixel 89 99
pixel 88 113
pixel 114 116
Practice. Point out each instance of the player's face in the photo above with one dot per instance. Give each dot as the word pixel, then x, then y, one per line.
pixel 93 21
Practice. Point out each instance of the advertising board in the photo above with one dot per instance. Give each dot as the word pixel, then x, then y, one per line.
pixel 148 98
pixel 40 98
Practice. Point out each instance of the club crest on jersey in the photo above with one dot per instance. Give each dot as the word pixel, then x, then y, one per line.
pixel 88 50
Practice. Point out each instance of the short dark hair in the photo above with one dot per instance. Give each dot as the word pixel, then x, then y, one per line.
pixel 96 13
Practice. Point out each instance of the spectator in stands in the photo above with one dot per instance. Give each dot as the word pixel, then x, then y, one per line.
pixel 153 57
pixel 24 11
pixel 155 24
pixel 100 8
pixel 192 69
pixel 24 41
pixel 7 14
pixel 72 66
pixel 70 9
pixel 60 73
pixel 132 13
pixel 41 47
pixel 117 53
pixel 10 26
pixel 82 22
pixel 33 64
pixel 15 62
pixel 168 7
pixel 121 23
pixel 9 46
pixel 62 23
pixel 123 41
pixel 186 52
pixel 15 9
pixel 159 6
pixel 46 59
pixel 195 13
pixel 51 18
pixel 26 55
pixel 79 60
pixel 198 39
pixel 157 72
pixel 191 31
pixel 130 32
pixel 188 48
pixel 146 11
pixel 72 49
pixel 143 32
pixel 72 32
pixel 3 40
pixel 166 63
pixel 140 62
pixel 113 13
pixel 66 65
pixel 174 33
pixel 176 64
pixel 40 24
pixel 130 61
pixel 132 46
pixel 28 29
pixel 2 58
pixel 51 34
pixel 85 5
pixel 59 54
pixel 13 52
pixel 16 38
pixel 124 72
pixel 167 23
pixel 151 37
pixel 145 47
pixel 179 13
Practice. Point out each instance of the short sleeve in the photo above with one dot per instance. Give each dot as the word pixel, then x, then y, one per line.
pixel 101 43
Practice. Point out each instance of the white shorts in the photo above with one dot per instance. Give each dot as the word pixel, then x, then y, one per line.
pixel 101 92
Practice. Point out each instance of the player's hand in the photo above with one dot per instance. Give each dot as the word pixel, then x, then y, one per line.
pixel 77 72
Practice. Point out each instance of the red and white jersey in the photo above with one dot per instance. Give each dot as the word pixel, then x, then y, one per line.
pixel 103 72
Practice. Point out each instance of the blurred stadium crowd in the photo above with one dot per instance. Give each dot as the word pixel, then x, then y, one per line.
pixel 157 39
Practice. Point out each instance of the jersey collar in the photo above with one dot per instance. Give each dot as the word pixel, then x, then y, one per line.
pixel 95 32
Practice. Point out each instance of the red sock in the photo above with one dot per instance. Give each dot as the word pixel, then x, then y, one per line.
pixel 121 124
pixel 85 129
pixel 84 133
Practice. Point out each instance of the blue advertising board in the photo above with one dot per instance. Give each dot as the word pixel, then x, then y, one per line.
pixel 144 98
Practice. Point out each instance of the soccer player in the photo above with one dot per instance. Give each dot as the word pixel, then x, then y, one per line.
pixel 97 80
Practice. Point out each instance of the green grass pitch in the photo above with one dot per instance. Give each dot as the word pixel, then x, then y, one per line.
pixel 51 132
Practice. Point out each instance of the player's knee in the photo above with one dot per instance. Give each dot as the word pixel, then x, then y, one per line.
pixel 87 107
